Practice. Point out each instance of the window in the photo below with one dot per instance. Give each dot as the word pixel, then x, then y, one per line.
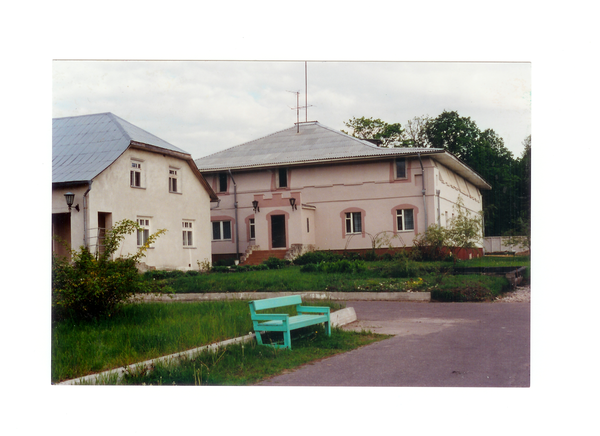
pixel 252 228
pixel 173 180
pixel 222 182
pixel 221 230
pixel 144 232
pixel 401 168
pixel 405 219
pixel 307 225
pixel 188 233
pixel 282 175
pixel 353 222
pixel 135 174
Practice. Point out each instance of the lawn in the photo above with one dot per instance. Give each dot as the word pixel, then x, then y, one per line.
pixel 144 331
pixel 360 276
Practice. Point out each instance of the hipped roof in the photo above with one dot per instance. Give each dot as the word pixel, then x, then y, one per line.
pixel 314 143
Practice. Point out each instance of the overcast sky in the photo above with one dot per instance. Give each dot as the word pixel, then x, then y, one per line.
pixel 207 106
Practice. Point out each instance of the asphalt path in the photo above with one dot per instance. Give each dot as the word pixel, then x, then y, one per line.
pixel 434 345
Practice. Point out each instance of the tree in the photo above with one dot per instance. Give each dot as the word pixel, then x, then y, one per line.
pixel 452 132
pixel 390 135
pixel 415 133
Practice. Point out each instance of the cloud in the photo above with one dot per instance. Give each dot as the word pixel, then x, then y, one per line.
pixel 206 106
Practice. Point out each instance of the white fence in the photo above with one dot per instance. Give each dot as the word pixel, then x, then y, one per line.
pixel 493 244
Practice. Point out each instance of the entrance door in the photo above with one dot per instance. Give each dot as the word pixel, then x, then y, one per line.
pixel 278 231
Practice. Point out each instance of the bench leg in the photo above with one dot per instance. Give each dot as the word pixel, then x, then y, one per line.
pixel 258 338
pixel 328 328
pixel 287 339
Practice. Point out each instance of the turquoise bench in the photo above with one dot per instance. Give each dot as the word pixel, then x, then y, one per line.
pixel 282 322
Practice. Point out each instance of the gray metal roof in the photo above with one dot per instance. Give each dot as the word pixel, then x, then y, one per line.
pixel 84 146
pixel 316 143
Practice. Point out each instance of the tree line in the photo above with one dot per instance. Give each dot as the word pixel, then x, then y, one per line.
pixel 507 207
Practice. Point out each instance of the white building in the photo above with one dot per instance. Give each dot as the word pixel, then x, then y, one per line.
pixel 117 170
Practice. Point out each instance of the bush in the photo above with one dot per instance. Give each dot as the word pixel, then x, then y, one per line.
pixel 94 285
pixel 343 266
pixel 316 257
pixel 274 263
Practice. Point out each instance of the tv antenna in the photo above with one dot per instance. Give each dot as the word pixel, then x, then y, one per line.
pixel 306 105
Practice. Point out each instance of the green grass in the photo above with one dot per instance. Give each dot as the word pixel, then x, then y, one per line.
pixel 380 276
pixel 250 363
pixel 144 331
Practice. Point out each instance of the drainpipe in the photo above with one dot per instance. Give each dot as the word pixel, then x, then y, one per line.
pixel 423 190
pixel 218 204
pixel 235 202
pixel 438 214
pixel 85 209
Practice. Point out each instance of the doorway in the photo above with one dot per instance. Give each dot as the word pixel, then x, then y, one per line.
pixel 278 237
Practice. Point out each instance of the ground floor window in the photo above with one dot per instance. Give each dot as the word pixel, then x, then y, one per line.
pixel 143 232
pixel 221 230
pixel 252 228
pixel 405 219
pixel 353 222
pixel 188 233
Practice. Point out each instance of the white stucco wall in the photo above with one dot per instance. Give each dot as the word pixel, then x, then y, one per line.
pixel 111 193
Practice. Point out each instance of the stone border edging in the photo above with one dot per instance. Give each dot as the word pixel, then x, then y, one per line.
pixel 338 318
pixel 336 296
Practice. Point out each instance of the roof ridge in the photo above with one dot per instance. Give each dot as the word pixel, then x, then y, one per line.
pixel 83 115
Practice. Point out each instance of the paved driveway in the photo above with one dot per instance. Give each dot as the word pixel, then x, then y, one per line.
pixel 435 345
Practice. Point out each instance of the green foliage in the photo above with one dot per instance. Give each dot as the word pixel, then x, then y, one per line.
pixel 246 364
pixel 390 135
pixel 462 231
pixel 316 257
pixel 343 266
pixel 94 285
pixel 275 263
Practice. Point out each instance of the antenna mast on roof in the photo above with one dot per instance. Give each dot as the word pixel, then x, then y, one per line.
pixel 306 105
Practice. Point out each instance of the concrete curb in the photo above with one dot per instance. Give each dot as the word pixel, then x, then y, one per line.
pixel 335 296
pixel 338 318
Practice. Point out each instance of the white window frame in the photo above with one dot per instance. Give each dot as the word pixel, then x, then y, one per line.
pixel 187 228
pixel 174 185
pixel 136 174
pixel 143 234
pixel 401 215
pixel 350 223
pixel 252 228
pixel 221 231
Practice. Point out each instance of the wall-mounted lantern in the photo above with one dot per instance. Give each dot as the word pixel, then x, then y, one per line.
pixel 255 206
pixel 293 203
pixel 70 198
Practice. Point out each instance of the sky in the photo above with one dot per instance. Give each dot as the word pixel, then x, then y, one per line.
pixel 207 106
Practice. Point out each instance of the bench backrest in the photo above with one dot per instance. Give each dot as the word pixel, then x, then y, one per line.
pixel 271 303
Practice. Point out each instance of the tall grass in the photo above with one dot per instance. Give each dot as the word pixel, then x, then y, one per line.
pixel 144 331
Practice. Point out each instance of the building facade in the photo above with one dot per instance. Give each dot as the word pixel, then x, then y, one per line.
pixel 118 171
pixel 312 187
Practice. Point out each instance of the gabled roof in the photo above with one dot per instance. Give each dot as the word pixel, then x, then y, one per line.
pixel 314 143
pixel 84 146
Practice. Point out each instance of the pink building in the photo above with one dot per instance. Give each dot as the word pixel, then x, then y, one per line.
pixel 311 187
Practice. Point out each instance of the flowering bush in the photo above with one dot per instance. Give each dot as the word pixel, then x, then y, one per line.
pixel 94 285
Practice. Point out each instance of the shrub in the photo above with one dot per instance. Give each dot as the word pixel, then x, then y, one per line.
pixel 316 257
pixel 95 285
pixel 274 263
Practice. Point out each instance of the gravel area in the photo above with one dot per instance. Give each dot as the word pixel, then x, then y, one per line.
pixel 520 295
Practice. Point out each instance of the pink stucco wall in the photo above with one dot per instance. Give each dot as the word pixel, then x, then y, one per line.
pixel 324 193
